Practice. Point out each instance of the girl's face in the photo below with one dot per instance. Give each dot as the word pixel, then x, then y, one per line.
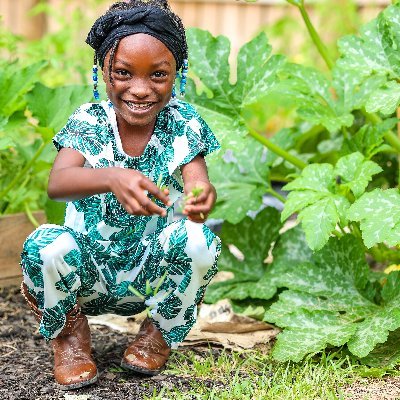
pixel 143 73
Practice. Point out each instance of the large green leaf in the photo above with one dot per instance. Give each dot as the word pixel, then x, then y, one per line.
pixel 15 82
pixel 326 303
pixel 319 195
pixel 379 215
pixel 375 53
pixel 222 103
pixel 53 106
pixel 253 238
pixel 310 90
pixel 313 197
pixel 238 175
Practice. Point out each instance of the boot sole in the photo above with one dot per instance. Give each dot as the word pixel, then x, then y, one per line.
pixel 144 371
pixel 78 385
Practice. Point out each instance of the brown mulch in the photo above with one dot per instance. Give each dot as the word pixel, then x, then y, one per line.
pixel 26 361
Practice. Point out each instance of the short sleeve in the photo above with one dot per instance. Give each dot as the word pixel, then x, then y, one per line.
pixel 192 134
pixel 85 132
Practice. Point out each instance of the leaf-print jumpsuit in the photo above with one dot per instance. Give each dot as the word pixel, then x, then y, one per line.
pixel 101 249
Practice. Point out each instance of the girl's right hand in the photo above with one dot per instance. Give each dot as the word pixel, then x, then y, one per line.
pixel 131 188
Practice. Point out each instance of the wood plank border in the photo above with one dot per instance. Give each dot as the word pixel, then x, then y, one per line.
pixel 14 229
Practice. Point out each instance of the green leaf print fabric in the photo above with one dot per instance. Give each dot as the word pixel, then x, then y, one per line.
pixel 102 250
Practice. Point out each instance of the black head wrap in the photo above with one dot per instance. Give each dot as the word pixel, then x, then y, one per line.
pixel 115 25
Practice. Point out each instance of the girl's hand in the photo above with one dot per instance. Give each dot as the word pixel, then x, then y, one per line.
pixel 200 199
pixel 131 189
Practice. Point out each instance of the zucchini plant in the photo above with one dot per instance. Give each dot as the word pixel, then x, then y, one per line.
pixel 338 159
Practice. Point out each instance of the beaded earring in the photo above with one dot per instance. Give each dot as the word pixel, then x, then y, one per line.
pixel 177 76
pixel 185 68
pixel 95 78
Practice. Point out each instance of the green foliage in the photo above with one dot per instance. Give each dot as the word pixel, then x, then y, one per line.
pixel 323 193
pixel 379 215
pixel 30 115
pixel 335 147
pixel 319 287
pixel 249 281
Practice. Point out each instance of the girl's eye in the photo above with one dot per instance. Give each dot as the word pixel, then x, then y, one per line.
pixel 121 72
pixel 160 74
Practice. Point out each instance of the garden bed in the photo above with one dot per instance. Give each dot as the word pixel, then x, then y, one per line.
pixel 14 229
pixel 26 370
pixel 26 361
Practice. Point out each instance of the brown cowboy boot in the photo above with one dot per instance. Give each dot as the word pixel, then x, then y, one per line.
pixel 149 352
pixel 73 364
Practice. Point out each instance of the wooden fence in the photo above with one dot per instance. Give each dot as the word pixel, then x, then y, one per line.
pixel 236 19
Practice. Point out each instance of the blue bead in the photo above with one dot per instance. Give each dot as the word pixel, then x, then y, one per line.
pixel 95 78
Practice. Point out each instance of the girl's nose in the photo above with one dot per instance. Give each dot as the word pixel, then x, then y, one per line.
pixel 140 88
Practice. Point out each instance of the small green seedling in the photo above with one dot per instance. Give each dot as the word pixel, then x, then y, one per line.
pixel 196 192
pixel 149 291
pixel 161 187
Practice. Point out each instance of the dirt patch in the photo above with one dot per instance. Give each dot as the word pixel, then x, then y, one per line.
pixel 26 361
pixel 373 389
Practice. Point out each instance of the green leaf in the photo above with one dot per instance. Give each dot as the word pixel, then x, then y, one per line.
pixel 221 103
pixel 379 215
pixel 368 140
pixel 355 172
pixel 52 107
pixel 320 209
pixel 245 236
pixel 375 52
pixel 385 99
pixel 15 82
pixel 237 175
pixel 325 303
pixel 6 143
pixel 310 91
pixel 55 212
pixel 385 355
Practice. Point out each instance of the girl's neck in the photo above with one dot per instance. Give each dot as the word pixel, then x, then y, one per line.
pixel 134 138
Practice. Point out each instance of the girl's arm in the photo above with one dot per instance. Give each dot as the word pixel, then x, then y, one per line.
pixel 195 175
pixel 69 180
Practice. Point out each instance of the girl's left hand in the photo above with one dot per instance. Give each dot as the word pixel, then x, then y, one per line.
pixel 198 206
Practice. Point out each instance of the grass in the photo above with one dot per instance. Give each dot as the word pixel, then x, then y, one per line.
pixel 254 375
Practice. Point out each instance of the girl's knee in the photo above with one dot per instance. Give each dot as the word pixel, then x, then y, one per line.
pixel 202 246
pixel 49 246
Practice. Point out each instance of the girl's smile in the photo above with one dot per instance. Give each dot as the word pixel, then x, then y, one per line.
pixel 142 75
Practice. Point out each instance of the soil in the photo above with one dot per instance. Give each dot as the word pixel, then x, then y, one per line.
pixel 26 364
pixel 26 361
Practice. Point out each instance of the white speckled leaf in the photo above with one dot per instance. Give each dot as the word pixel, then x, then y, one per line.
pixel 320 219
pixel 238 175
pixel 320 208
pixel 209 62
pixel 325 303
pixel 310 90
pixel 385 99
pixel 221 105
pixel 355 172
pixel 375 52
pixel 379 215
pixel 245 236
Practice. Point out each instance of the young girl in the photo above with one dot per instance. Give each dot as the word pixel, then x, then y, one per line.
pixel 122 164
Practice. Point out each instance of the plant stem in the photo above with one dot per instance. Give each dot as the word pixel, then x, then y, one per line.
pixel 276 194
pixel 30 216
pixel 276 149
pixel 337 233
pixel 390 137
pixel 23 171
pixel 315 37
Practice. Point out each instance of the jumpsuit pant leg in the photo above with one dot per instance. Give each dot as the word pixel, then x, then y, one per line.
pixel 187 260
pixel 50 260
